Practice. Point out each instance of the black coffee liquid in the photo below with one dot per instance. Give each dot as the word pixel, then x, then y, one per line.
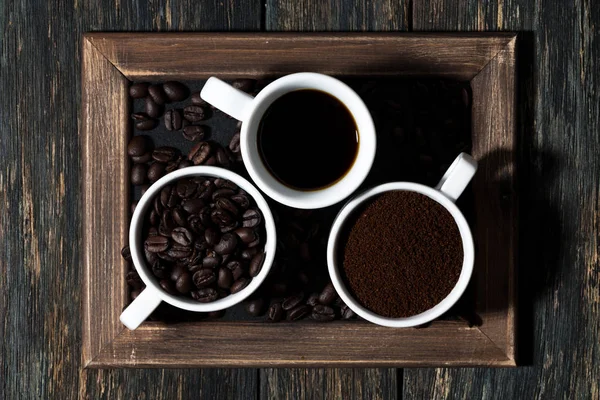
pixel 308 139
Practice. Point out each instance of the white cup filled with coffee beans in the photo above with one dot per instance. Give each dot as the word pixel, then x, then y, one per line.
pixel 401 254
pixel 226 218
pixel 307 139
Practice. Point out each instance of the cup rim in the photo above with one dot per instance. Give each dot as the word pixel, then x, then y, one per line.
pixel 332 194
pixel 136 247
pixel 430 314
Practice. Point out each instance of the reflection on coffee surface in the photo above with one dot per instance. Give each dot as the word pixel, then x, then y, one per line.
pixel 308 139
pixel 403 255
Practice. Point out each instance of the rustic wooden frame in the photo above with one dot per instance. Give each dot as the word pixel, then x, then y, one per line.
pixel 111 60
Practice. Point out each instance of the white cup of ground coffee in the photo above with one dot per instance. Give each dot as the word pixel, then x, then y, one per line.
pixel 417 266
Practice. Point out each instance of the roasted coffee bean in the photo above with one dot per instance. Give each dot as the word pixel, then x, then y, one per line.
pixel 227 244
pixel 180 217
pixel 204 215
pixel 347 312
pixel 182 236
pixel 239 285
pixel 167 222
pixel 323 313
pixel 165 256
pixel 222 158
pixel 234 144
pixel 205 295
pixel 144 158
pixel 186 188
pixel 211 261
pixel 223 192
pixel 225 204
pixel 212 236
pixel 194 113
pixel 256 307
pixel 248 254
pixel 184 283
pixel 221 217
pixel 211 161
pixel 225 278
pixel 178 251
pixel 175 91
pixel 275 312
pixel 148 255
pixel 246 235
pixel 245 85
pixel 195 224
pixel 139 90
pixel 164 154
pixel 238 272
pixel 139 174
pixel 204 278
pixel 134 294
pixel 192 206
pixel 224 183
pixel 160 270
pixel 173 120
pixel 313 299
pixel 146 125
pixel 144 189
pixel 242 200
pixel 299 312
pixel 256 264
pixel 126 253
pixel 169 197
pixel 292 301
pixel 197 100
pixel 157 93
pixel 140 116
pixel 134 280
pixel 251 218
pixel 200 153
pixel 168 286
pixel 156 171
pixel 328 295
pixel 177 271
pixel 255 242
pixel 205 191
pixel 194 132
pixel 153 109
pixel 184 164
pixel 226 258
pixel 139 145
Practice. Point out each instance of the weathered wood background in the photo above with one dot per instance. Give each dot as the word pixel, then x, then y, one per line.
pixel 559 155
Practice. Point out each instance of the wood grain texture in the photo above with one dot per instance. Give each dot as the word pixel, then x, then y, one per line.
pixel 40 181
pixel 559 272
pixel 267 55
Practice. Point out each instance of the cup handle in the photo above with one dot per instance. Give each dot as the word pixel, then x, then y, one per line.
pixel 226 98
pixel 458 176
pixel 140 309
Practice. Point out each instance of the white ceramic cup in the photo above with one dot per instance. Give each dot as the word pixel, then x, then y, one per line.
pixel 445 193
pixel 250 111
pixel 150 298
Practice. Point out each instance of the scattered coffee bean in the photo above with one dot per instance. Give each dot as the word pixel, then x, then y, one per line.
pixel 126 253
pixel 134 294
pixel 156 171
pixel 194 133
pixel 134 280
pixel 200 153
pixel 146 125
pixel 153 109
pixel 175 91
pixel 299 312
pixel 328 295
pixel 144 158
pixel 313 300
pixel 323 313
pixel 184 164
pixel 139 174
pixel 173 120
pixel 275 312
pixel 139 90
pixel 292 301
pixel 164 154
pixel 138 146
pixel 347 312
pixel 158 95
pixel 255 307
pixel 234 144
pixel 194 113
pixel 197 100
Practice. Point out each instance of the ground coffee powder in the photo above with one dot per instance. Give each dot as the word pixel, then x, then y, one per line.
pixel 403 254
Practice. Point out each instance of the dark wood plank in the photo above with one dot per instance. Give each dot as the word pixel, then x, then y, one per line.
pixel 40 316
pixel 332 15
pixel 559 168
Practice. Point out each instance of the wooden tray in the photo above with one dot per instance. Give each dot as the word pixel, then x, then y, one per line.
pixel 111 60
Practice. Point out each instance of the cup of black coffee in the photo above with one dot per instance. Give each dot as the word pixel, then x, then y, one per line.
pixel 202 239
pixel 307 139
pixel 401 254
